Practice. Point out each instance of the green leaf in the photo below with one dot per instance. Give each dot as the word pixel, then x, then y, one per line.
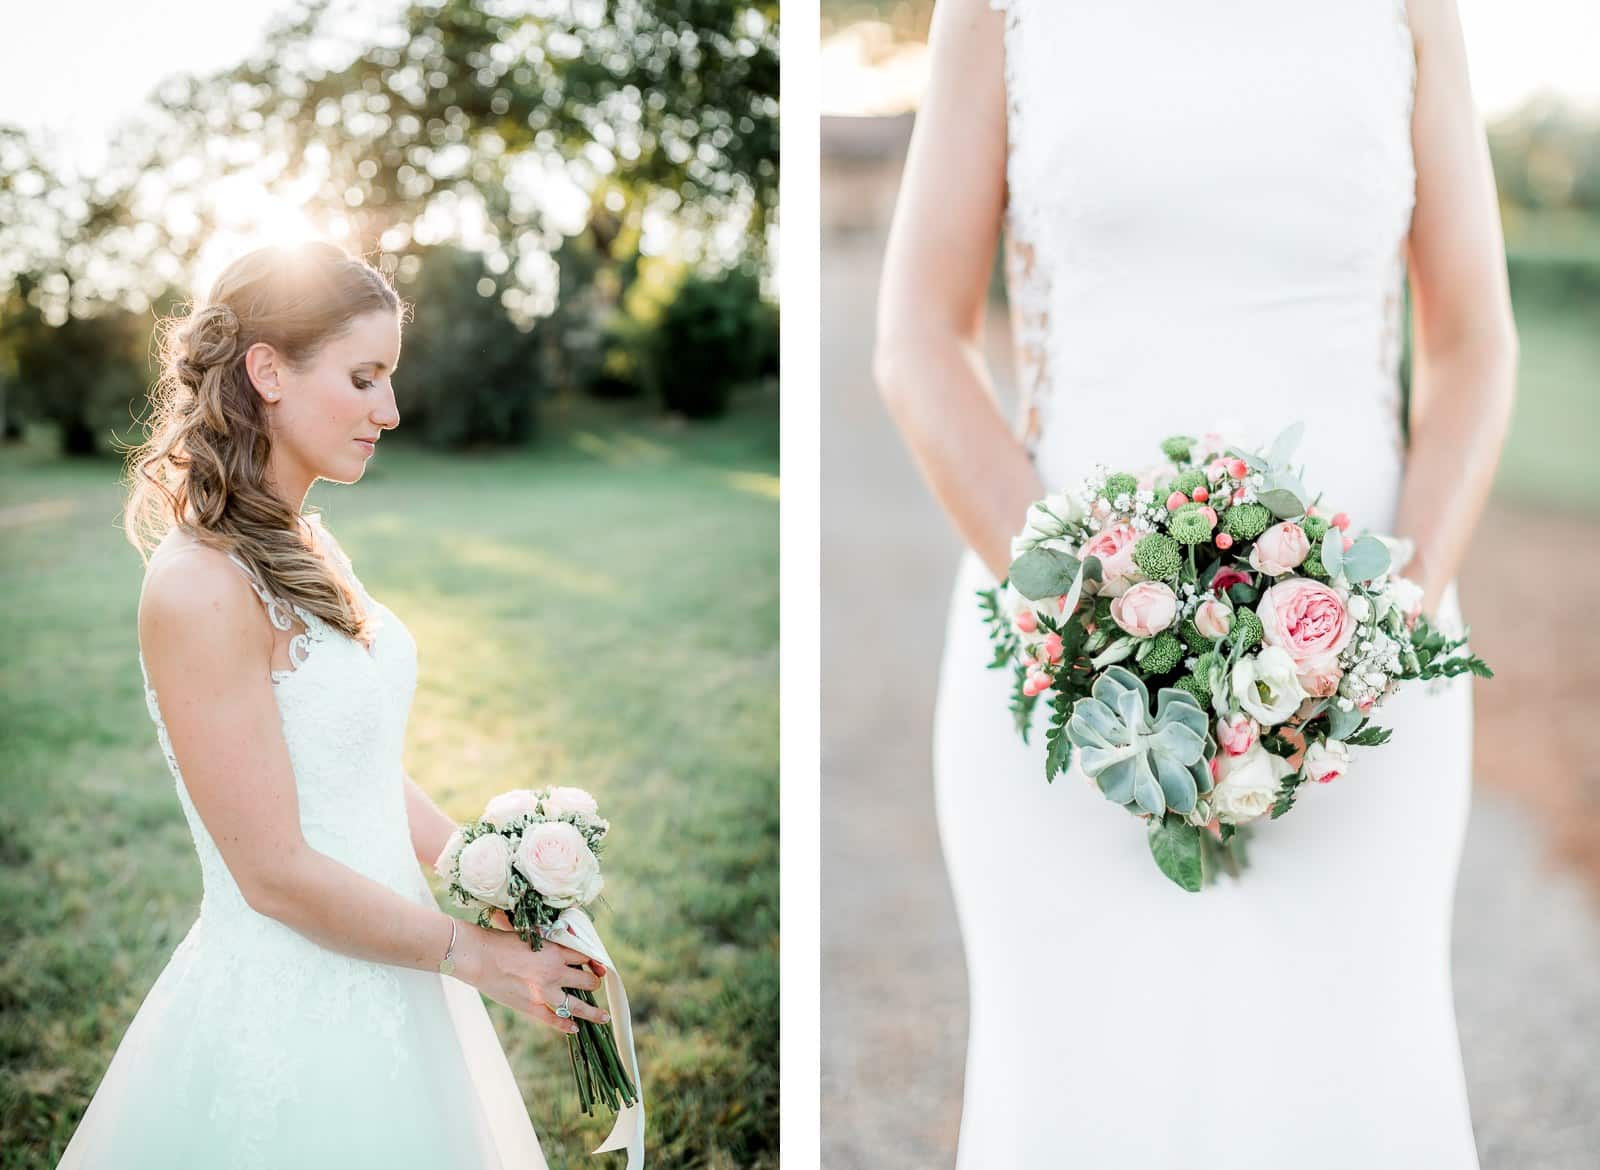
pixel 1333 552
pixel 1342 723
pixel 1176 848
pixel 1058 747
pixel 1370 736
pixel 1044 572
pixel 1364 559
pixel 1283 495
pixel 1242 594
pixel 1283 446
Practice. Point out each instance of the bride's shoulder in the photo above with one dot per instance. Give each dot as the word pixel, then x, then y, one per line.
pixel 191 588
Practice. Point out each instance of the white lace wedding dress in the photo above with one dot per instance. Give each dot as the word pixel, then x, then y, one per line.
pixel 258 1048
pixel 1206 211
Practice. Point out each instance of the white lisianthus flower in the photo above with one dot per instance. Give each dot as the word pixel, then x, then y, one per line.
pixel 1400 596
pixel 1266 685
pixel 485 869
pixel 558 862
pixel 1327 760
pixel 1051 517
pixel 1358 607
pixel 508 806
pixel 1248 786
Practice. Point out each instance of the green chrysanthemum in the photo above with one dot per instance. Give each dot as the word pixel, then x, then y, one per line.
pixel 1198 688
pixel 1312 565
pixel 1178 448
pixel 1315 526
pixel 1162 653
pixel 1157 556
pixel 1120 483
pixel 1246 521
pixel 1248 627
pixel 1189 480
pixel 1188 525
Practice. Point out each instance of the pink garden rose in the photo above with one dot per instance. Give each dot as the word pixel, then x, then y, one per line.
pixel 1320 678
pixel 1213 619
pixel 1237 735
pixel 1114 547
pixel 1308 620
pixel 1280 548
pixel 1145 609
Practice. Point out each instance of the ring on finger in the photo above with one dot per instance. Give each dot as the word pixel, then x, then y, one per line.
pixel 561 1009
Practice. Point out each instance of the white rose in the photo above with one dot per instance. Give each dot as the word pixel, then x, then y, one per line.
pixel 1401 595
pixel 1358 607
pixel 485 868
pixel 561 801
pixel 1266 686
pixel 445 867
pixel 508 806
pixel 1249 785
pixel 1327 760
pixel 558 863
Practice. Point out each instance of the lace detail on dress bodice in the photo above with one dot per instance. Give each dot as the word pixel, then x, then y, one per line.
pixel 344 711
pixel 1206 216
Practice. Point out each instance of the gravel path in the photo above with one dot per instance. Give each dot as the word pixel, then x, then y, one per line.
pixel 1527 930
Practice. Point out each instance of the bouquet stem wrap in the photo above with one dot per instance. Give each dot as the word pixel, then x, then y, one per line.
pixel 573 928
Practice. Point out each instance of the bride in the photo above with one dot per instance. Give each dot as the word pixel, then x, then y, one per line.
pixel 1209 212
pixel 322 1010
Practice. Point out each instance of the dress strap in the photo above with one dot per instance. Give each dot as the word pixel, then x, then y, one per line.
pixel 282 615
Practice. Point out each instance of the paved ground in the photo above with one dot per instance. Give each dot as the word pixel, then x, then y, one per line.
pixel 1527 930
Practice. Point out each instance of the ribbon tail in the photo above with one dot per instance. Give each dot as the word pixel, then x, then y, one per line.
pixel 574 929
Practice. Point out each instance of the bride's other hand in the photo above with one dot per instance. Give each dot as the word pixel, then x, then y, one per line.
pixel 501 921
pixel 529 982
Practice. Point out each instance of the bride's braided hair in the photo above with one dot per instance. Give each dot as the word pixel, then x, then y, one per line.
pixel 203 467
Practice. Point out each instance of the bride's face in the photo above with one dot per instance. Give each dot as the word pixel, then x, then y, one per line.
pixel 327 417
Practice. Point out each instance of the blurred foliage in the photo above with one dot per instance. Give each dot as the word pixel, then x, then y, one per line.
pixel 471 376
pixel 441 133
pixel 713 333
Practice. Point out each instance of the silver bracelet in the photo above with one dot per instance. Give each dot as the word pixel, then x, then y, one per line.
pixel 447 965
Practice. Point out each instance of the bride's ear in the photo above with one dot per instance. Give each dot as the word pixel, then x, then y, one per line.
pixel 262 366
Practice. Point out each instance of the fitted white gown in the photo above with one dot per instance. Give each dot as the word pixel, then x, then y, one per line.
pixel 259 1049
pixel 1206 213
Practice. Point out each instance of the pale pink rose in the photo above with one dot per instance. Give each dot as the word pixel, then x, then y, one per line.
pixel 1051 647
pixel 1238 735
pixel 1326 761
pixel 1305 618
pixel 508 806
pixel 1213 619
pixel 1145 609
pixel 560 801
pixel 483 869
pixel 558 863
pixel 1279 549
pixel 1320 678
pixel 1114 547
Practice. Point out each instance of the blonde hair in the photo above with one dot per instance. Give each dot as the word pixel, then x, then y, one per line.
pixel 203 468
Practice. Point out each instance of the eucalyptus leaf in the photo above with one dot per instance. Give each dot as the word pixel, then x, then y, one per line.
pixel 1283 495
pixel 1176 849
pixel 1333 552
pixel 1043 572
pixel 1242 594
pixel 1088 569
pixel 1283 446
pixel 1366 558
pixel 1341 722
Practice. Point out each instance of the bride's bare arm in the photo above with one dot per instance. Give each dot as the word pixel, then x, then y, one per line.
pixel 207 650
pixel 928 359
pixel 1465 353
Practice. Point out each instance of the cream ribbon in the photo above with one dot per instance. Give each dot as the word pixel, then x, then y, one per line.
pixel 574 929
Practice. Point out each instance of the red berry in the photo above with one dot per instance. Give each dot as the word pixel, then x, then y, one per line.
pixel 1201 495
pixel 1224 540
pixel 1340 521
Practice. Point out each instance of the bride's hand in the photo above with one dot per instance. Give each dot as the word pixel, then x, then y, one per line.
pixel 531 982
pixel 500 920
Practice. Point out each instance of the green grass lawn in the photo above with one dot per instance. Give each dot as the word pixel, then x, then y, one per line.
pixel 599 610
pixel 1549 459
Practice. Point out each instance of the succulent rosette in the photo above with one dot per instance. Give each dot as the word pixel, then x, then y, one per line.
pixel 534 853
pixel 1265 629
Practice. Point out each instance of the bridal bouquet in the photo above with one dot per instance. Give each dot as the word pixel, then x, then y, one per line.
pixel 534 853
pixel 1267 631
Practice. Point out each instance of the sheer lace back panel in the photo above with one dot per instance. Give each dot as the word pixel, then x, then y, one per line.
pixel 343 710
pixel 1206 216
